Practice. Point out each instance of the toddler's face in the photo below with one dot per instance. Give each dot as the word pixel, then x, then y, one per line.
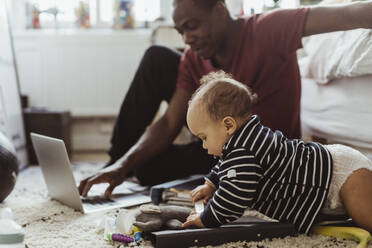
pixel 212 133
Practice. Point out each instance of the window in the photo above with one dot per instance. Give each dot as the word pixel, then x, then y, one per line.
pixel 101 11
pixel 258 6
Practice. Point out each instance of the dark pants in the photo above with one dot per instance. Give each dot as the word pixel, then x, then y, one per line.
pixel 154 81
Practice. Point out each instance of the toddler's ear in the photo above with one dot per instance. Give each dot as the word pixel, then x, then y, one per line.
pixel 230 124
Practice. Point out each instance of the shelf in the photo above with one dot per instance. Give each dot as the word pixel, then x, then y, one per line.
pixel 29 33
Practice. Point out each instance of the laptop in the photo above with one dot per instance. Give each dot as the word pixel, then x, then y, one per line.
pixel 56 168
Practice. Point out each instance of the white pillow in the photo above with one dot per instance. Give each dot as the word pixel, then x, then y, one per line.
pixel 338 54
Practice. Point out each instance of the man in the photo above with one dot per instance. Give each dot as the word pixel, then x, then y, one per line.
pixel 259 51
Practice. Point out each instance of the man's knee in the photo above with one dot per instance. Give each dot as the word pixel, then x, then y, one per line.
pixel 145 177
pixel 156 52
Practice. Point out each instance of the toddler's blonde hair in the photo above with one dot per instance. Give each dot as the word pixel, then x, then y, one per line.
pixel 220 96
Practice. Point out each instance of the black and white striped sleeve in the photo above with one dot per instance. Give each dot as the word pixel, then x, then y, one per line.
pixel 238 179
pixel 212 176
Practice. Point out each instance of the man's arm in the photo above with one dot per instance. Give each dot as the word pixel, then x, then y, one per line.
pixel 160 134
pixel 323 19
pixel 157 137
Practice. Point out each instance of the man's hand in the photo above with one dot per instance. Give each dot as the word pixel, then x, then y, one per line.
pixel 193 221
pixel 204 192
pixel 114 175
pixel 156 139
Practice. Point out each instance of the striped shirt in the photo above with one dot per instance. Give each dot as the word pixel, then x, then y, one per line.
pixel 285 179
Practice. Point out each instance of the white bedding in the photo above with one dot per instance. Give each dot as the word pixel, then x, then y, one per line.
pixel 339 111
pixel 337 55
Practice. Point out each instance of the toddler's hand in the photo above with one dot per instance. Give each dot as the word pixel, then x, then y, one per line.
pixel 204 192
pixel 193 221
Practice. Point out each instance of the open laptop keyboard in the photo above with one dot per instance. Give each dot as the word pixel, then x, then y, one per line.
pixel 96 199
pixel 96 202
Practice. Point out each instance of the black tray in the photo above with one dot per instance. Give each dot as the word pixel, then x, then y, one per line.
pixel 244 229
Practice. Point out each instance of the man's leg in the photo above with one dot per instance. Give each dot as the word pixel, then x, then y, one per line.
pixel 154 81
pixel 178 161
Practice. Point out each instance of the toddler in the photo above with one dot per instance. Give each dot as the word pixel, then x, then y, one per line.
pixel 285 179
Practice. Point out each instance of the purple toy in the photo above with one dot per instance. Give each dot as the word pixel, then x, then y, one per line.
pixel 120 238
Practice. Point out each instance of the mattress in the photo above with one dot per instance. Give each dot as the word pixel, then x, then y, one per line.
pixel 339 111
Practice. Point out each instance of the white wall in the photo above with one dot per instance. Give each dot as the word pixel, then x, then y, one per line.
pixel 87 72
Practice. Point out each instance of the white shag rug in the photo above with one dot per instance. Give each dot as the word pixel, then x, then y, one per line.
pixel 48 223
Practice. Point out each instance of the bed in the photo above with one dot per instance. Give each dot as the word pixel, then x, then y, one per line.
pixel 336 105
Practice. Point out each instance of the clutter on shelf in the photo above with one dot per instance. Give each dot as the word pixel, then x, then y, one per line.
pixel 123 14
pixel 82 15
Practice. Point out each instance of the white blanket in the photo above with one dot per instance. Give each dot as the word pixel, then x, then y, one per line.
pixel 337 55
pixel 340 111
